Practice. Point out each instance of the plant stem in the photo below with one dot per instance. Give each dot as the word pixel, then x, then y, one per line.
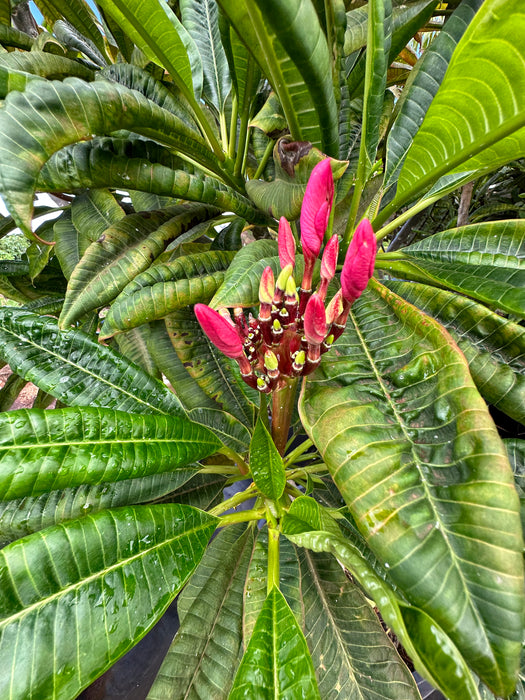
pixel 267 153
pixel 233 127
pixel 242 516
pixel 291 457
pixel 273 558
pixel 282 410
pixel 236 459
pixel 234 501
pixel 224 131
pixel 405 216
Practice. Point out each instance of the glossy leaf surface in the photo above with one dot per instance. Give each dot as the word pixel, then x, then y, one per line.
pixel 102 558
pixel 205 653
pixel 266 464
pixel 277 663
pixel 74 368
pixel 44 451
pixel 429 465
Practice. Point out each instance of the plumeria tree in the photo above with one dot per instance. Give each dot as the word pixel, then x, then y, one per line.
pixel 254 396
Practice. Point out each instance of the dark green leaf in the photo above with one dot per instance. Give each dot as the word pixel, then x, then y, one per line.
pixel 516 452
pixel 79 14
pixel 266 464
pixel 98 558
pixel 418 480
pixel 202 491
pixel 18 68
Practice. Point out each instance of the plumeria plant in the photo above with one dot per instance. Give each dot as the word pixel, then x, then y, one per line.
pixel 262 396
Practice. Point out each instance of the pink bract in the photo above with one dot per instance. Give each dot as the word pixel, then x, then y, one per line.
pixel 222 333
pixel 286 243
pixel 315 320
pixel 358 267
pixel 316 208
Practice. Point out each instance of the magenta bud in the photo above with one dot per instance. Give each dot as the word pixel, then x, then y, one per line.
pixel 358 267
pixel 315 320
pixel 222 333
pixel 266 286
pixel 316 208
pixel 334 308
pixel 329 259
pixel 286 244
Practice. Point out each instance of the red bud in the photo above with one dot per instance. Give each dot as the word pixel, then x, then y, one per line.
pixel 358 267
pixel 286 243
pixel 315 320
pixel 266 286
pixel 222 333
pixel 316 208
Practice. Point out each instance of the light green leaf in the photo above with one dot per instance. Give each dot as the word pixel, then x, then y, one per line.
pixel 480 101
pixel 43 451
pixel 205 653
pixel 9 36
pixel 266 464
pixel 429 467
pixel 277 662
pixel 23 516
pixel 166 287
pixel 17 68
pixel 98 558
pixel 493 346
pixel 77 370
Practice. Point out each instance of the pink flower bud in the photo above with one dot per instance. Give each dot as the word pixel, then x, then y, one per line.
pixel 334 308
pixel 316 208
pixel 286 243
pixel 222 333
pixel 329 259
pixel 266 286
pixel 315 320
pixel 358 267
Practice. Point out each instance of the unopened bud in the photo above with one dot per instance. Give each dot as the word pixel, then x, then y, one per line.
pixel 358 267
pixel 286 243
pixel 315 320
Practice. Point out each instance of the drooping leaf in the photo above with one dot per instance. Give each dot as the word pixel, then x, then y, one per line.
pixel 43 451
pixel 266 464
pixel 277 662
pixel 74 368
pixel 418 480
pixel 18 68
pixel 485 76
pixel 23 516
pixel 122 252
pixel 79 15
pixel 97 558
pixel 494 346
pixel 50 115
pixel 70 38
pixel 9 36
pixel 205 653
pixel 166 287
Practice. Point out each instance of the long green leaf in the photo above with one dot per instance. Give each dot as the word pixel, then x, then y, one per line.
pixel 494 346
pixel 200 19
pixel 18 68
pixel 51 115
pixel 277 663
pixel 423 84
pixel 88 595
pixel 266 464
pixel 201 491
pixel 205 653
pixel 122 252
pixel 166 287
pixel 79 15
pixel 43 451
pixel 432 652
pixel 516 452
pixel 485 77
pixel 429 466
pixel 23 516
pixel 77 370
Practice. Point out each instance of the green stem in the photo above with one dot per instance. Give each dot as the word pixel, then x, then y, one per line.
pixel 291 457
pixel 267 153
pixel 224 131
pixel 405 216
pixel 219 469
pixel 234 501
pixel 273 558
pixel 235 458
pixel 241 145
pixel 233 127
pixel 242 516
pixel 282 410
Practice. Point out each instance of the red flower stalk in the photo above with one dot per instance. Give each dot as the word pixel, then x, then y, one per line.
pixel 286 244
pixel 315 212
pixel 328 265
pixel 315 321
pixel 358 267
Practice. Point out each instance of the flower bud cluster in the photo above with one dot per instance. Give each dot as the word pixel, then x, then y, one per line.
pixel 293 328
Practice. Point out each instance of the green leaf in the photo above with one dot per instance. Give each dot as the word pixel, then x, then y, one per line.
pixel 98 558
pixel 228 429
pixel 429 467
pixel 135 346
pixel 516 452
pixel 11 390
pixel 493 346
pixel 21 517
pixel 51 115
pixel 45 451
pixel 205 653
pixel 432 652
pixel 485 76
pixel 18 68
pixel 154 28
pixel 74 368
pixel 69 38
pixel 200 18
pixel 277 662
pixel 79 15
pixel 207 365
pixel 350 650
pixel 201 491
pixel 122 252
pixel 109 163
pixel 9 36
pixel 424 82
pixel 266 464
pixel 166 287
